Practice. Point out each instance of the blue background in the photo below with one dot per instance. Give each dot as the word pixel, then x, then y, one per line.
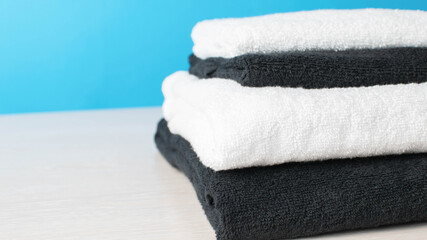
pixel 90 54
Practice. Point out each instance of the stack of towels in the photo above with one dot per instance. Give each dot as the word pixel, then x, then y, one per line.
pixel 298 124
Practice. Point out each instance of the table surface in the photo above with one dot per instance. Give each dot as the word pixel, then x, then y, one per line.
pixel 97 175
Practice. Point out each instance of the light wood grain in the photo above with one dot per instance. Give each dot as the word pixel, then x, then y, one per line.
pixel 98 175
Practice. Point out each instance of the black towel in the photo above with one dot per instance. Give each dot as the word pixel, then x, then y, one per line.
pixel 303 199
pixel 319 69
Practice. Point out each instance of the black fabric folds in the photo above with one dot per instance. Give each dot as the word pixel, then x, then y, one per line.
pixel 303 199
pixel 319 69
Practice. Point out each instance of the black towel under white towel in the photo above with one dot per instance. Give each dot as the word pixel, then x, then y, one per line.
pixel 318 69
pixel 303 199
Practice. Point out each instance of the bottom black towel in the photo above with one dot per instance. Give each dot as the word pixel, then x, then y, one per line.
pixel 303 199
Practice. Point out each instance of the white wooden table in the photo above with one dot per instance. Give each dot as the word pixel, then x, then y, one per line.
pixel 97 175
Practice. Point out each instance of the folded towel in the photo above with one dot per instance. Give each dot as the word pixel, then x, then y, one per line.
pixel 319 69
pixel 308 30
pixel 303 199
pixel 231 126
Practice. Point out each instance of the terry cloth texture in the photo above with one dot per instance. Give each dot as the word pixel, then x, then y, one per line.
pixel 303 199
pixel 232 126
pixel 319 69
pixel 310 30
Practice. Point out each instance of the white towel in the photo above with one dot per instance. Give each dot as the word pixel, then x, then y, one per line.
pixel 231 126
pixel 308 30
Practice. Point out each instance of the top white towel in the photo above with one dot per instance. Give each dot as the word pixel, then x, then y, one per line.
pixel 310 30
